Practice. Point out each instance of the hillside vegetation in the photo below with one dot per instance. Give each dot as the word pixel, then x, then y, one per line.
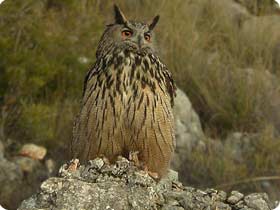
pixel 222 55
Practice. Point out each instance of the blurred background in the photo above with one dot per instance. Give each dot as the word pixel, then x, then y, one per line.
pixel 224 55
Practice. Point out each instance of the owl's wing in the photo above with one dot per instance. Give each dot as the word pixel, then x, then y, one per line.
pixel 171 88
pixel 170 85
pixel 78 143
pixel 89 75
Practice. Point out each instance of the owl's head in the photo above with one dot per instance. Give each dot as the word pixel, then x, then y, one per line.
pixel 128 35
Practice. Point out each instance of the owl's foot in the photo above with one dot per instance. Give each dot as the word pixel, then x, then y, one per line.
pixel 73 165
pixel 154 175
pixel 133 157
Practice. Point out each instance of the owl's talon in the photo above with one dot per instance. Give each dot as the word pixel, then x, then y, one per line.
pixel 73 165
pixel 133 157
pixel 154 175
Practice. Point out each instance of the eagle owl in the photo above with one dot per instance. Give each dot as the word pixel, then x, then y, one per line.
pixel 127 99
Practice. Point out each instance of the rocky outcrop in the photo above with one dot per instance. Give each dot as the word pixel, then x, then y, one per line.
pixel 188 129
pixel 10 179
pixel 99 185
pixel 20 177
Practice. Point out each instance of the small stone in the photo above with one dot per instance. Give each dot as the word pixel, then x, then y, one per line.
pixel 122 164
pixel 97 163
pixel 217 195
pixel 235 197
pixel 51 185
pixel 27 164
pixel 257 201
pixel 33 151
pixel 211 191
pixel 222 206
pixel 240 204
pixel 141 178
pixel 221 196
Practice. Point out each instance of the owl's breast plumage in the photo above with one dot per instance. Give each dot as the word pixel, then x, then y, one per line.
pixel 127 106
pixel 127 99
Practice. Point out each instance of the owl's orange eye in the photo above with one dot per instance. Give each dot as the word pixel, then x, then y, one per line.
pixel 126 33
pixel 147 37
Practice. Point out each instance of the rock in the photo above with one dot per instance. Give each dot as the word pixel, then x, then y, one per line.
pixel 257 201
pixel 19 178
pixel 10 180
pixel 188 129
pixel 99 185
pixel 235 197
pixel 238 145
pixel 33 151
pixel 27 164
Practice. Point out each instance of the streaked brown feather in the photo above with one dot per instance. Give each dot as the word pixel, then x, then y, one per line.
pixel 126 106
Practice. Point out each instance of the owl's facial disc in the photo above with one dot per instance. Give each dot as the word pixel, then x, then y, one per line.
pixel 131 35
pixel 136 36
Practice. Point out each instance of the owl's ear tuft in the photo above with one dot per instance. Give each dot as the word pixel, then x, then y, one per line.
pixel 119 16
pixel 153 23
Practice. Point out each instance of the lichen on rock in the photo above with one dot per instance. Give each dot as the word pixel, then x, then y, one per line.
pixel 100 185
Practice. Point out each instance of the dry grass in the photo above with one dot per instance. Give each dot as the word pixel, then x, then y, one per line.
pixel 222 63
pixel 256 168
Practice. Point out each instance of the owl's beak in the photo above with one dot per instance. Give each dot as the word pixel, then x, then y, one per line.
pixel 140 41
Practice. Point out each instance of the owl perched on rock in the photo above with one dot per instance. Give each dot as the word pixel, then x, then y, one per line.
pixel 127 99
